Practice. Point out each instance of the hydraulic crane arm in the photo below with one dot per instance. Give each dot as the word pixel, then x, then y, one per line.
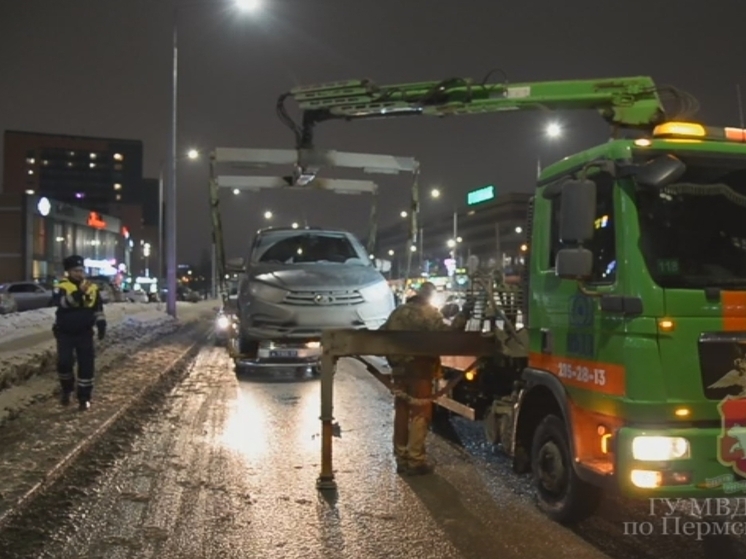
pixel 631 102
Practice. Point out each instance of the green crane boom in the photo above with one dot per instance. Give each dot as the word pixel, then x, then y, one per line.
pixel 631 102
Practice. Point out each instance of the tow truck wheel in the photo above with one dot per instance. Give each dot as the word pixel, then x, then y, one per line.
pixel 562 495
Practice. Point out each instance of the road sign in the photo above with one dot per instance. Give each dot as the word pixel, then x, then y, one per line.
pixel 480 195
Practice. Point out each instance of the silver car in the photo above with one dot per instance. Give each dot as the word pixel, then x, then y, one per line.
pixel 299 282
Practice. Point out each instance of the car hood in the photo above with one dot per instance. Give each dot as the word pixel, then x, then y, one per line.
pixel 312 277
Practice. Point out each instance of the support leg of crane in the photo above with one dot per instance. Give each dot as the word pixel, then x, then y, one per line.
pixel 326 480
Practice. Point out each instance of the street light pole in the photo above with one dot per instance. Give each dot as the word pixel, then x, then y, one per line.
pixel 171 193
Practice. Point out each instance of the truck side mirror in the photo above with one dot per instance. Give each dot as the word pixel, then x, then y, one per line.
pixel 236 265
pixel 660 171
pixel 578 211
pixel 574 263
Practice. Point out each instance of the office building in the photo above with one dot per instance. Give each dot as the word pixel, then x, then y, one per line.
pixel 37 233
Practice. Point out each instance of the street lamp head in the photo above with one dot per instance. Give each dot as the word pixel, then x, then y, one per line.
pixel 519 229
pixel 267 215
pixel 391 252
pixel 413 248
pixel 192 154
pixel 451 243
pixel 554 130
pixel 403 214
pixel 295 225
pixel 435 193
pixel 248 5
pixel 236 191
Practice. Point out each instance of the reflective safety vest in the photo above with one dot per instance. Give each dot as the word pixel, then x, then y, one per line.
pixel 77 311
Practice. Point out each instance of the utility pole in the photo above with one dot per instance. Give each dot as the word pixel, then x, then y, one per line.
pixel 171 193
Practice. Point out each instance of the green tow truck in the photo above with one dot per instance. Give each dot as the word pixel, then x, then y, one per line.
pixel 630 375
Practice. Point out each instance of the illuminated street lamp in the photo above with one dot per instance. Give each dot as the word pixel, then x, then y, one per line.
pixel 236 191
pixel 171 190
pixel 451 243
pixel 248 5
pixel 391 252
pixel 295 224
pixel 435 193
pixel 193 154
pixel 519 229
pixel 268 215
pixel 403 214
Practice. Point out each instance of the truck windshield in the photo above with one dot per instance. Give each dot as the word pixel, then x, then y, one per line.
pixel 305 247
pixel 693 232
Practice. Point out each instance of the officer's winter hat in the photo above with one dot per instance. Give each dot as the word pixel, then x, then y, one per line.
pixel 73 261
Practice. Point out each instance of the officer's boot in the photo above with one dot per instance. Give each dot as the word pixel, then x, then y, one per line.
pixel 67 384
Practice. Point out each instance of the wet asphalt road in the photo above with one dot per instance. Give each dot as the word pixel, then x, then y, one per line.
pixel 228 469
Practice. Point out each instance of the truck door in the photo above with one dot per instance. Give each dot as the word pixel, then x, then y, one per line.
pixel 577 342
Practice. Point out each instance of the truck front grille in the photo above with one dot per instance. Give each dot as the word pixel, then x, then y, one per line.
pixel 324 298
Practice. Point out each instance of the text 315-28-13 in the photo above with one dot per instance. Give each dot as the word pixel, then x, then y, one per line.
pixel 580 373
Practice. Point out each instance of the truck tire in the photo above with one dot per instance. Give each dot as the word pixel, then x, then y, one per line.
pixel 562 495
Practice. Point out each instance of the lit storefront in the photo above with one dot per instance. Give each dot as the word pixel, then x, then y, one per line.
pixel 47 231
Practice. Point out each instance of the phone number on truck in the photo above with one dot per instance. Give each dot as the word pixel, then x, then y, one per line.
pixel 582 374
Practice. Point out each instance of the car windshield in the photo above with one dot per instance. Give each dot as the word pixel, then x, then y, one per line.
pixel 306 247
pixel 693 232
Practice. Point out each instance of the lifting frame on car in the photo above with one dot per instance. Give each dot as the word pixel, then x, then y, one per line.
pixel 355 343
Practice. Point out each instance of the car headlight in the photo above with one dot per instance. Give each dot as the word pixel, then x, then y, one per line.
pixel 267 292
pixel 660 449
pixel 377 291
pixel 223 322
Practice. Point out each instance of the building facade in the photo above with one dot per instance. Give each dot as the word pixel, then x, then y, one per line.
pixel 90 172
pixel 491 230
pixel 37 233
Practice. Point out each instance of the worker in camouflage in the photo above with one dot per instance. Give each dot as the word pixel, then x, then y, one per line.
pixel 414 377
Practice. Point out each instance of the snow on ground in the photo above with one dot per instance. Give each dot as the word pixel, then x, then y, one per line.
pixel 27 366
pixel 28 323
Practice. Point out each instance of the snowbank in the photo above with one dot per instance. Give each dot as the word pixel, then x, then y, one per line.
pixel 29 323
pixel 28 361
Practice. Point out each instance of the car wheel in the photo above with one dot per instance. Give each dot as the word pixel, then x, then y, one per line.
pixel 562 495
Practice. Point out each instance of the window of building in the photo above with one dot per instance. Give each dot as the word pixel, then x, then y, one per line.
pixel 604 239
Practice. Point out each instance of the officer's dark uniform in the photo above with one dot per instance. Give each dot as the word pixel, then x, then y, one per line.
pixel 79 310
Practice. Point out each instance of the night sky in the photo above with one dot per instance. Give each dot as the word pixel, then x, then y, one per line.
pixel 103 67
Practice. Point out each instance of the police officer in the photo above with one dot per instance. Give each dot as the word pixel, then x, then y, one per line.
pixel 79 310
pixel 413 376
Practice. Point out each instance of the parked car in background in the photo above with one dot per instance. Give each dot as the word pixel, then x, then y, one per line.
pixel 28 295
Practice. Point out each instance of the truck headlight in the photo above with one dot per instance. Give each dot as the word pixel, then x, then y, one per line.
pixel 660 449
pixel 267 292
pixel 223 322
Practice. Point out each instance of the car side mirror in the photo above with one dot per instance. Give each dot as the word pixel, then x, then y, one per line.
pixel 577 211
pixel 660 171
pixel 236 265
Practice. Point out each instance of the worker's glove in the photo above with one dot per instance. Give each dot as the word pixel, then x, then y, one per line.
pixel 101 327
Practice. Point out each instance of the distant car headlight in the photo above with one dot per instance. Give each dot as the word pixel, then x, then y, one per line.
pixel 660 449
pixel 267 292
pixel 223 322
pixel 377 291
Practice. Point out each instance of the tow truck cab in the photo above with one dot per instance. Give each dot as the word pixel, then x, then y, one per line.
pixel 636 299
